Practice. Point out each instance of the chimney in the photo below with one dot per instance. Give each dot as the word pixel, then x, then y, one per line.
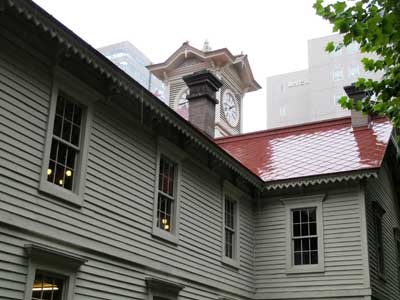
pixel 202 89
pixel 358 118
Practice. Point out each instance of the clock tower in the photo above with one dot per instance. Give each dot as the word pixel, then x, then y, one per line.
pixel 232 70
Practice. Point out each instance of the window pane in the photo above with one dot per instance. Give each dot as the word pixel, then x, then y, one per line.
pixel 47 287
pixel 71 158
pixel 77 115
pixel 314 243
pixel 57 126
pixel 297 245
pixel 54 149
pixel 304 229
pixel 312 215
pixel 313 229
pixel 75 135
pixel 62 153
pixel 305 244
pixel 304 216
pixel 60 105
pixel 69 110
pixel 296 230
pixel 297 258
pixel 66 132
pixel 296 216
pixel 306 258
pixel 314 257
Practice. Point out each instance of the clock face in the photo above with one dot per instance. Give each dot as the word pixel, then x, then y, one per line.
pixel 231 109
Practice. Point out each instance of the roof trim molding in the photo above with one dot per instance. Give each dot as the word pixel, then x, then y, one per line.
pixel 321 179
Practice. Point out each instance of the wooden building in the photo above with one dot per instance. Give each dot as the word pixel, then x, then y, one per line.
pixel 108 193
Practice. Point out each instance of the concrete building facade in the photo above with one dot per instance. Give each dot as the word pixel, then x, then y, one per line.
pixel 312 94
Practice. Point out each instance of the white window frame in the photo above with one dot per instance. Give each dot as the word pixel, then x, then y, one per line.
pixel 85 97
pixel 234 194
pixel 176 155
pixel 52 261
pixel 293 203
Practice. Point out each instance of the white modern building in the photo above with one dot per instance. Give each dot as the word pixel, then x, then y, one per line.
pixel 312 94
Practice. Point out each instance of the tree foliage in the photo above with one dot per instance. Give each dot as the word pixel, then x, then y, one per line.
pixel 375 26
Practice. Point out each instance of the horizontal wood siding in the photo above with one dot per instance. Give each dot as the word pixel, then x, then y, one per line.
pixel 342 242
pixel 98 278
pixel 119 193
pixel 381 190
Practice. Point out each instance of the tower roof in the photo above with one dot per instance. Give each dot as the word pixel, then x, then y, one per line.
pixel 220 58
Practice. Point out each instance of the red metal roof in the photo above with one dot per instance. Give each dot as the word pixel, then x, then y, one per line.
pixel 312 149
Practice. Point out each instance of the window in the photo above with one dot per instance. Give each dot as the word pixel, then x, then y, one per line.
pixel 379 244
pixel 51 273
pixel 230 219
pixel 65 143
pixel 230 227
pixel 378 213
pixel 282 111
pixel 47 287
pixel 65 152
pixel 166 193
pixel 337 74
pixel 161 289
pixel 304 237
pixel 166 201
pixel 354 70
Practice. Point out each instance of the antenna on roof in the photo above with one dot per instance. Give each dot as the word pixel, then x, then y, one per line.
pixel 206 46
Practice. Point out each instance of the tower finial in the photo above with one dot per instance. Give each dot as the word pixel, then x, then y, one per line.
pixel 206 46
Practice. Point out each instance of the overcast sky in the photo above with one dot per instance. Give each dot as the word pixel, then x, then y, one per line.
pixel 273 33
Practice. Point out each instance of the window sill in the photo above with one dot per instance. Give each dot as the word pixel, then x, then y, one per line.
pixel 233 263
pixel 61 193
pixel 305 269
pixel 166 236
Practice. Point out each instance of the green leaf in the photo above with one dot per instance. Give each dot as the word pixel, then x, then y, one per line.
pixel 330 47
pixel 339 7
